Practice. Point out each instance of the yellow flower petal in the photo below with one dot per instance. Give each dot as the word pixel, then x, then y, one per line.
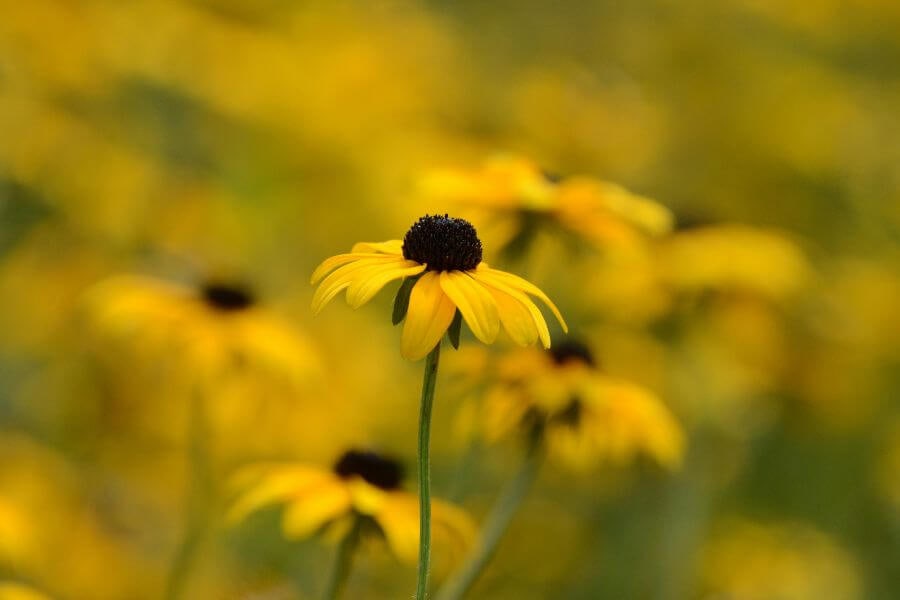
pixel 341 278
pixel 476 304
pixel 427 319
pixel 329 264
pixel 574 448
pixel 362 290
pixel 540 324
pixel 275 347
pixel 389 247
pixel 367 499
pixel 307 514
pixel 503 412
pixel 279 484
pixel 516 282
pixel 517 319
pixel 399 520
pixel 338 529
pixel 452 529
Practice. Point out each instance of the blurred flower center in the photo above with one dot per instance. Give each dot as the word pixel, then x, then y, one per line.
pixel 571 351
pixel 551 176
pixel 443 243
pixel 377 470
pixel 570 415
pixel 227 297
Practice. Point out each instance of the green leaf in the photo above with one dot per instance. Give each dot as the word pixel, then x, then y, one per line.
pixel 453 330
pixel 401 300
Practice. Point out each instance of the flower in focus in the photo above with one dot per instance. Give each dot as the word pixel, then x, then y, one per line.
pixel 586 418
pixel 362 485
pixel 516 188
pixel 755 561
pixel 19 591
pixel 202 332
pixel 441 259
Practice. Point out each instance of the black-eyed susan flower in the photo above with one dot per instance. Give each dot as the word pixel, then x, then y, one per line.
pixel 204 331
pixel 573 413
pixel 362 493
pixel 166 342
pixel 445 281
pixel 441 257
pixel 217 351
pixel 586 418
pixel 515 189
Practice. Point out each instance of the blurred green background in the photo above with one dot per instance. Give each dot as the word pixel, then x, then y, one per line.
pixel 248 140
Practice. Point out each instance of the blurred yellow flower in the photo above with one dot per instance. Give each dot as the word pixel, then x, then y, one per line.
pixel 202 332
pixel 49 518
pixel 441 258
pixel 734 257
pixel 362 486
pixel 18 591
pixel 516 189
pixel 753 561
pixel 586 418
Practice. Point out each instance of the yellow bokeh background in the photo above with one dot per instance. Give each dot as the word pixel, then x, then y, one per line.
pixel 150 148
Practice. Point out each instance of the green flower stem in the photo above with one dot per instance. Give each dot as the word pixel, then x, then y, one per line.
pixel 424 465
pixel 343 560
pixel 496 524
pixel 688 506
pixel 199 501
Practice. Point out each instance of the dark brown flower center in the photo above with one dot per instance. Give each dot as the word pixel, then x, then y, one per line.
pixel 571 351
pixel 443 243
pixel 375 469
pixel 226 297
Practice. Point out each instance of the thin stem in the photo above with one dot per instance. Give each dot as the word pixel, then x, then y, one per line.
pixel 424 465
pixel 496 524
pixel 343 560
pixel 199 501
pixel 689 503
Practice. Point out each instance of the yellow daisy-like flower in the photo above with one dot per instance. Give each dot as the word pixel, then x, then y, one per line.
pixel 215 346
pixel 362 485
pixel 441 257
pixel 210 329
pixel 598 211
pixel 585 417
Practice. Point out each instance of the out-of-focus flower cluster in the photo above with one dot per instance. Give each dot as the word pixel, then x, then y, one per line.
pixel 750 560
pixel 710 195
